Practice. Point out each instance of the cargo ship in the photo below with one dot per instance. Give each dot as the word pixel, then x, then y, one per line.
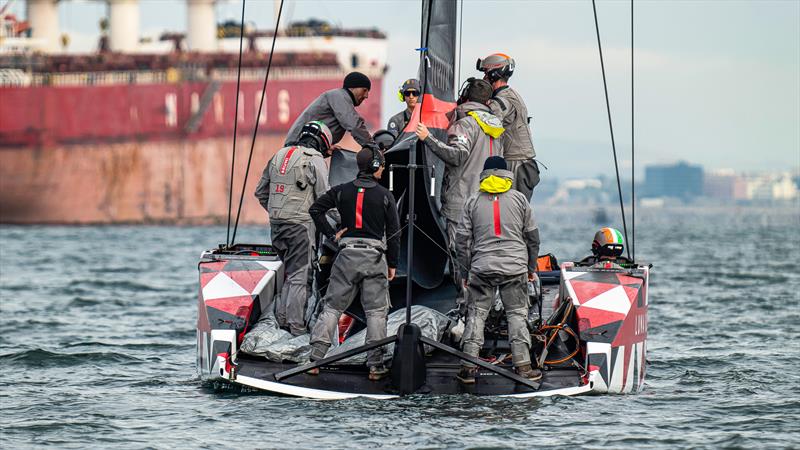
pixel 141 131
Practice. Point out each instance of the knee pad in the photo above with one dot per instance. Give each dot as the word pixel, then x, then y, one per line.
pixel 521 312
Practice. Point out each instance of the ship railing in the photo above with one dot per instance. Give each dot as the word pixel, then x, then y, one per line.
pixel 293 73
pixel 277 73
pixel 98 78
pixel 18 77
pixel 14 77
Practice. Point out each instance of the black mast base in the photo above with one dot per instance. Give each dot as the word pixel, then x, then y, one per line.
pixel 408 364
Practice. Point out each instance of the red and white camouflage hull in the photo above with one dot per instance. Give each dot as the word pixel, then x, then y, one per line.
pixel 611 314
pixel 609 311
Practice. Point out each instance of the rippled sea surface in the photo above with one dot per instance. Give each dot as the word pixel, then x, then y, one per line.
pixel 97 348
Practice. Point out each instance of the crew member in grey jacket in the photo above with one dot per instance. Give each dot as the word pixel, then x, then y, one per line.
pixel 409 93
pixel 293 179
pixel 498 243
pixel 337 110
pixel 471 138
pixel 507 104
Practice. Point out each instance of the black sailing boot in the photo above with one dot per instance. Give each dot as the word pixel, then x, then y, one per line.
pixel 377 372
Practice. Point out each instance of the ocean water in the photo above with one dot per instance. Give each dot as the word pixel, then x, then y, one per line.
pixel 97 348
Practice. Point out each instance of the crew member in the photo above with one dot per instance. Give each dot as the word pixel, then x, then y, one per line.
pixel 409 93
pixel 328 249
pixel 293 179
pixel 507 104
pixel 498 243
pixel 369 216
pixel 337 110
pixel 471 138
pixel 607 248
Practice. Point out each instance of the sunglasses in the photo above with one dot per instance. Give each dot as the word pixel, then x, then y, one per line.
pixel 411 93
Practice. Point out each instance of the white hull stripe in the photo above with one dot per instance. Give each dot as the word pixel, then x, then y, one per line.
pixel 320 394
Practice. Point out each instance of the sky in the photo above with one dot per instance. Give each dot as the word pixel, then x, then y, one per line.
pixel 717 83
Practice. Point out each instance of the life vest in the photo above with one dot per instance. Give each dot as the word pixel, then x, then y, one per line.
pixel 291 192
pixel 546 263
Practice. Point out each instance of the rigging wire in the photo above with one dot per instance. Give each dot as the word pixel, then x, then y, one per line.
pixel 235 125
pixel 611 127
pixel 633 157
pixel 258 115
pixel 460 34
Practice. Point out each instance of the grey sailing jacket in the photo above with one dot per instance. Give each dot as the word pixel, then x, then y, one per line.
pixel 292 180
pixel 464 153
pixel 336 109
pixel 398 122
pixel 507 105
pixel 497 234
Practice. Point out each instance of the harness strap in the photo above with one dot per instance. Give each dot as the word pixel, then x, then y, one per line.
pixel 359 206
pixel 286 159
pixel 497 224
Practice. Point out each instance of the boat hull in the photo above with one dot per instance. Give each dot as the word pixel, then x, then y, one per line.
pixel 611 318
pixel 609 312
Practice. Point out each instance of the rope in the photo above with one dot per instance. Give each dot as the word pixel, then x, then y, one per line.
pixel 633 157
pixel 571 355
pixel 561 326
pixel 235 125
pixel 255 129
pixel 611 127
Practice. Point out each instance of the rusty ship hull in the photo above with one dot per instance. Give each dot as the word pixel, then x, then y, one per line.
pixel 157 152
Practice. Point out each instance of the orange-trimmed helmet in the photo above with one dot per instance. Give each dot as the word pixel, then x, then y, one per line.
pixel 496 66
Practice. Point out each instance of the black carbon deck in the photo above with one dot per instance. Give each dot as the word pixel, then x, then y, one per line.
pixel 441 379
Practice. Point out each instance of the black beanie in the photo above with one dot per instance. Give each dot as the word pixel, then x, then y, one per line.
pixel 495 162
pixel 356 80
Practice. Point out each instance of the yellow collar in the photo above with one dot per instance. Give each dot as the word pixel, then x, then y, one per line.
pixel 488 123
pixel 495 185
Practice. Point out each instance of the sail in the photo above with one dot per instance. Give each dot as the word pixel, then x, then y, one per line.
pixel 436 75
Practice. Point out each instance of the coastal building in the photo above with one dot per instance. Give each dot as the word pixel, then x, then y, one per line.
pixel 681 180
pixel 724 184
pixel 771 187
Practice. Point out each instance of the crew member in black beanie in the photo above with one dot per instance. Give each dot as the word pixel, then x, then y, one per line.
pixel 337 109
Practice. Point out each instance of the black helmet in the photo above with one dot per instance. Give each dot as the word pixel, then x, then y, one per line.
pixel 320 132
pixel 384 139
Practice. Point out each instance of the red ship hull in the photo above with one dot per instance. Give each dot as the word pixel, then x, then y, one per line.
pixel 141 153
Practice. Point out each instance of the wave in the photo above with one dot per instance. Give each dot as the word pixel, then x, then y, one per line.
pixel 40 358
pixel 115 285
pixel 131 345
